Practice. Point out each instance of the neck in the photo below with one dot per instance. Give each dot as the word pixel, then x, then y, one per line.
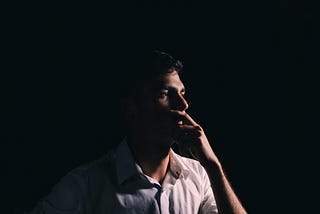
pixel 152 157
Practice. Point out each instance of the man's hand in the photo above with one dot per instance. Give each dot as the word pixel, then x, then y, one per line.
pixel 192 140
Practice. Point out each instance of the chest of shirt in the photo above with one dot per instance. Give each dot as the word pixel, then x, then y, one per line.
pixel 182 197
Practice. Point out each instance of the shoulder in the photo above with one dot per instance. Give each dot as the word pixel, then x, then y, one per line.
pixel 86 170
pixel 92 173
pixel 72 189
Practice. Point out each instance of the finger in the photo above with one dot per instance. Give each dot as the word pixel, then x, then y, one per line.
pixel 189 130
pixel 187 140
pixel 184 131
pixel 186 145
pixel 185 117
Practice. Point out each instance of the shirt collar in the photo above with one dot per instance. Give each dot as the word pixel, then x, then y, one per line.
pixel 127 167
pixel 177 166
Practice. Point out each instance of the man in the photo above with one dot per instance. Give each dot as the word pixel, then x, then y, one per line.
pixel 143 174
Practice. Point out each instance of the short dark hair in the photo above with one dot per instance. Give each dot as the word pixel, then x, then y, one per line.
pixel 144 66
pixel 159 62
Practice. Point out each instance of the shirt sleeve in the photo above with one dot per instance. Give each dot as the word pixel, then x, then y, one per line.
pixel 208 204
pixel 65 198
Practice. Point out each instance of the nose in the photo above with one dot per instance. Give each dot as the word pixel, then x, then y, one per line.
pixel 181 103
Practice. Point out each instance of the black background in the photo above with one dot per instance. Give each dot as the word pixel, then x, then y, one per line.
pixel 246 66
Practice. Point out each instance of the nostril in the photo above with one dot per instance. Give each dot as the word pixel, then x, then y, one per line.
pixel 180 103
pixel 183 106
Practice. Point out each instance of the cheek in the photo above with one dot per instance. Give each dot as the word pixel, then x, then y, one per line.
pixel 162 104
pixel 162 109
pixel 164 116
pixel 157 110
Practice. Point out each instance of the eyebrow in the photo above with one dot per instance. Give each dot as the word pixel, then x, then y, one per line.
pixel 170 88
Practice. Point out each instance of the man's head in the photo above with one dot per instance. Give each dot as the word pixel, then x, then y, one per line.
pixel 153 91
pixel 141 67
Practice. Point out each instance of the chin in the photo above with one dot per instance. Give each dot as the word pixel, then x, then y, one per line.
pixel 164 139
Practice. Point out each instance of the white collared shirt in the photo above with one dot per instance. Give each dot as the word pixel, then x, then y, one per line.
pixel 116 184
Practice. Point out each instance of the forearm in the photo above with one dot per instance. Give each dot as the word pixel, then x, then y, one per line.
pixel 227 201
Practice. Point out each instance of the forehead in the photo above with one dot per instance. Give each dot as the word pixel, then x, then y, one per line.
pixel 169 79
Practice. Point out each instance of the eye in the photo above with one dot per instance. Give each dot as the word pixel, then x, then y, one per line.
pixel 164 94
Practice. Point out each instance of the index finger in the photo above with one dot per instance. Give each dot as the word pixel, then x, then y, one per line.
pixel 185 117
